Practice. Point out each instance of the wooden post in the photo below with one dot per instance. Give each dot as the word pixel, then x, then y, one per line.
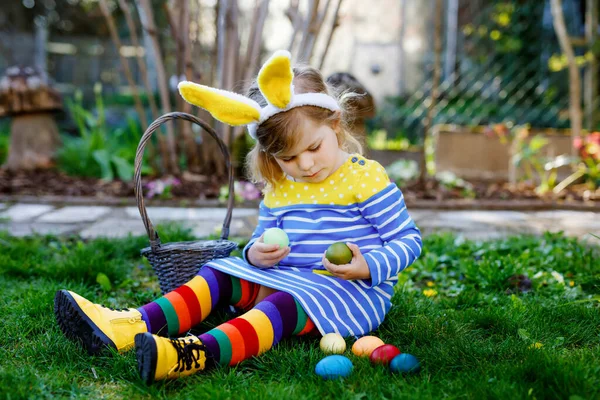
pixel 591 73
pixel 401 52
pixel 41 44
pixel 435 85
pixel 560 28
pixel 451 37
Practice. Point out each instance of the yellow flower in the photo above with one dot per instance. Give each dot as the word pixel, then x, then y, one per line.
pixel 536 345
pixel 430 292
pixel 503 19
pixel 430 284
pixel 571 283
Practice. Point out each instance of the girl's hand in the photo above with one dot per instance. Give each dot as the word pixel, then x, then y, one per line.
pixel 264 255
pixel 357 269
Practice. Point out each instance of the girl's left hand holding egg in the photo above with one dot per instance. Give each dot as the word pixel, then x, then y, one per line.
pixel 356 269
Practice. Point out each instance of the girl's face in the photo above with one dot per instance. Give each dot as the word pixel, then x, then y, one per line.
pixel 316 155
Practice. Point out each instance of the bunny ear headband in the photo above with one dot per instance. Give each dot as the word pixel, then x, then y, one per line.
pixel 275 84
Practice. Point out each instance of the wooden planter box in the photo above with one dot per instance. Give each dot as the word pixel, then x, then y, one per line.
pixel 387 157
pixel 471 154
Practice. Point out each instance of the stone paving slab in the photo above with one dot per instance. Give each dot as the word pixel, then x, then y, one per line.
pixel 29 228
pixel 120 221
pixel 74 214
pixel 186 214
pixel 493 217
pixel 118 228
pixel 24 212
pixel 114 228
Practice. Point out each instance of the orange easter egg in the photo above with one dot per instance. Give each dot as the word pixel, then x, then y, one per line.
pixel 364 346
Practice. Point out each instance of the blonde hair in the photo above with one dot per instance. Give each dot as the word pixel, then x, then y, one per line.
pixel 279 133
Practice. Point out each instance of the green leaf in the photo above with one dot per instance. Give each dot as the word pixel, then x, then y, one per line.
pixel 558 341
pixel 103 159
pixel 537 142
pixel 123 167
pixel 517 303
pixel 523 334
pixel 103 281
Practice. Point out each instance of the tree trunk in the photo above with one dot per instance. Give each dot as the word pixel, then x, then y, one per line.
pixel 315 29
pixel 435 86
pixel 34 139
pixel 591 72
pixel 249 68
pixel 140 61
pixel 193 159
pixel 147 17
pixel 293 13
pixel 310 24
pixel 152 152
pixel 335 23
pixel 124 63
pixel 560 28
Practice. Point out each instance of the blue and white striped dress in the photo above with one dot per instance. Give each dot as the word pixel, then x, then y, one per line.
pixel 357 204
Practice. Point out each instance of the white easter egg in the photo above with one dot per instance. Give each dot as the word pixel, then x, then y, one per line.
pixel 333 343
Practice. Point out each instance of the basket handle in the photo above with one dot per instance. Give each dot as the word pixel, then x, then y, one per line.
pixel 152 234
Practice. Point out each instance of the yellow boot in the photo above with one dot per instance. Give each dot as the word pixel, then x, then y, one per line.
pixel 96 327
pixel 161 358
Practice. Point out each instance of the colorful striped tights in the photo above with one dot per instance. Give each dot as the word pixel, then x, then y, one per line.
pixel 277 316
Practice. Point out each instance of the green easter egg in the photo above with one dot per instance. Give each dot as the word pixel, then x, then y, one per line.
pixel 338 253
pixel 276 236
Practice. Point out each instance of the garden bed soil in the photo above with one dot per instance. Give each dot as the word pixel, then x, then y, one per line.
pixel 56 187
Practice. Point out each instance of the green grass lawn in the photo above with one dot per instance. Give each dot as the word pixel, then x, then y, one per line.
pixel 460 309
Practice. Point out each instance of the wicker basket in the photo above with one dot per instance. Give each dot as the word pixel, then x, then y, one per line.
pixel 178 262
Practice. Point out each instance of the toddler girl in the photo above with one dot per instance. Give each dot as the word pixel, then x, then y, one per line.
pixel 319 190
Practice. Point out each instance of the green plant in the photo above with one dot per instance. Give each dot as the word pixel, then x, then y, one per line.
pixel 451 310
pixel 4 141
pixel 403 171
pixel 163 188
pixel 378 140
pixel 449 180
pixel 242 191
pixel 529 153
pixel 588 166
pixel 98 152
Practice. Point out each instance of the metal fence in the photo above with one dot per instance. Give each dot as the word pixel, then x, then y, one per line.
pixel 501 62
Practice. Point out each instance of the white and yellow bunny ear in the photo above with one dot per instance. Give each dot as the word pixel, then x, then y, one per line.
pixel 227 107
pixel 275 79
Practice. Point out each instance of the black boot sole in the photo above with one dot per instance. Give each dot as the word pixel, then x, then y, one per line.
pixel 78 327
pixel 146 355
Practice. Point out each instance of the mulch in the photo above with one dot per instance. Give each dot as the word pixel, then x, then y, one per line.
pixel 196 188
pixel 55 183
pixel 500 190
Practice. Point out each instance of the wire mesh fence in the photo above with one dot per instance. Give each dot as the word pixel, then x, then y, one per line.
pixel 501 63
